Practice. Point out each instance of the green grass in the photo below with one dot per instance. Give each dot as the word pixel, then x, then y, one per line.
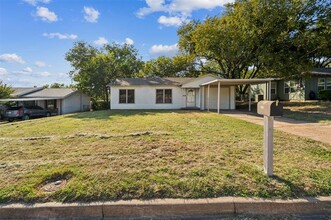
pixel 308 111
pixel 112 155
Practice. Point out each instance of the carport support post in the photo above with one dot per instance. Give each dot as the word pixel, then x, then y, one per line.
pixel 208 93
pixel 249 98
pixel 268 145
pixel 218 97
pixel 269 90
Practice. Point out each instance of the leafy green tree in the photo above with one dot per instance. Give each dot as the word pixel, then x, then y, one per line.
pixel 55 85
pixel 274 37
pixel 5 90
pixel 79 57
pixel 178 66
pixel 95 68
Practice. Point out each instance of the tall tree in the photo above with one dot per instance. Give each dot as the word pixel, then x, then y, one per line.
pixel 79 57
pixel 178 66
pixel 95 68
pixel 5 90
pixel 255 36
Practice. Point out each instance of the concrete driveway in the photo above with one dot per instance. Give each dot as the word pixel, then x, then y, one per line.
pixel 316 131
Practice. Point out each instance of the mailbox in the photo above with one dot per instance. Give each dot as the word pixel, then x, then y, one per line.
pixel 270 108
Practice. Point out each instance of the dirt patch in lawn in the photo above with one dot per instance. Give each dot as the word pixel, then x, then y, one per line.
pixel 54 186
pixel 55 182
pixel 88 135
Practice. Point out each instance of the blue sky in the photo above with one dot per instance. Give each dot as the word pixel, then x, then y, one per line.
pixel 36 34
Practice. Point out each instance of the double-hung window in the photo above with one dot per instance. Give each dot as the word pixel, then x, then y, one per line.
pixel 328 83
pixel 287 87
pixel 321 84
pixel 163 96
pixel 126 96
pixel 273 88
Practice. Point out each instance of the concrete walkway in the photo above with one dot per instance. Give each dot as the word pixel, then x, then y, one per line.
pixel 316 131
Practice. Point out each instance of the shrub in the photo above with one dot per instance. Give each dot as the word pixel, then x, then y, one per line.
pixel 325 95
pixel 100 105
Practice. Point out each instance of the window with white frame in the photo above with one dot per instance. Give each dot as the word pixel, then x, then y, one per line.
pixel 273 88
pixel 321 84
pixel 163 96
pixel 328 83
pixel 290 86
pixel 126 96
pixel 287 87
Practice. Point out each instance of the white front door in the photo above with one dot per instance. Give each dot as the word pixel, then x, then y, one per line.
pixel 190 98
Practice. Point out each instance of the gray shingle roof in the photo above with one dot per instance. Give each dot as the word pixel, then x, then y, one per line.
pixel 151 81
pixel 52 93
pixel 20 91
pixel 321 71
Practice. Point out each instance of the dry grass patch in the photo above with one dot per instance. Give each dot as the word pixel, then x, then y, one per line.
pixel 309 111
pixel 111 155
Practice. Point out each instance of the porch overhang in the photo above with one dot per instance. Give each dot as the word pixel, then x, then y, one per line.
pixel 235 82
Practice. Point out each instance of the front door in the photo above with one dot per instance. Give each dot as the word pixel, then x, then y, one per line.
pixel 190 98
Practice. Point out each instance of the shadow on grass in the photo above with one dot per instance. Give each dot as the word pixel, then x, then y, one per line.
pixel 306 116
pixel 296 190
pixel 109 114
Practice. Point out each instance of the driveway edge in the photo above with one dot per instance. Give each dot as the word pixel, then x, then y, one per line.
pixel 167 208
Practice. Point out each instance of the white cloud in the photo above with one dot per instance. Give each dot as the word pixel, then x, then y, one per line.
pixel 39 63
pixel 164 50
pixel 184 7
pixel 45 73
pixel 171 21
pixel 11 58
pixel 34 2
pixel 178 10
pixel 153 6
pixel 46 15
pixel 129 41
pixel 60 36
pixel 91 15
pixel 101 41
pixel 3 71
pixel 27 70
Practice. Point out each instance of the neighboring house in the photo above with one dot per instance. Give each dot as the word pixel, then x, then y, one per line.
pixel 205 92
pixel 58 100
pixel 306 88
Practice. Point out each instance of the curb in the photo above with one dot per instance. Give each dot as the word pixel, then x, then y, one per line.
pixel 167 208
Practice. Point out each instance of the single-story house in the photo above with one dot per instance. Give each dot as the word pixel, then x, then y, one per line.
pixel 305 88
pixel 58 100
pixel 205 92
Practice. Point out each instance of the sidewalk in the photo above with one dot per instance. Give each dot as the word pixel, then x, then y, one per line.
pixel 170 208
pixel 316 131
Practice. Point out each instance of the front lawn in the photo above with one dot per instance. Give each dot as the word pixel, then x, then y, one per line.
pixel 112 155
pixel 308 111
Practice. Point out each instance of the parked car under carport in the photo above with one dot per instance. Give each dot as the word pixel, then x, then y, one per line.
pixel 25 113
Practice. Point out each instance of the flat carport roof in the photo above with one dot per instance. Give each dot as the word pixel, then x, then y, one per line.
pixel 235 82
pixel 27 99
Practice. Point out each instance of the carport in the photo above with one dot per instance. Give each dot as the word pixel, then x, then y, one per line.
pixel 219 83
pixel 56 110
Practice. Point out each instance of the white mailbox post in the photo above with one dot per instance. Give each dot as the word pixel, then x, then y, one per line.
pixel 268 109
